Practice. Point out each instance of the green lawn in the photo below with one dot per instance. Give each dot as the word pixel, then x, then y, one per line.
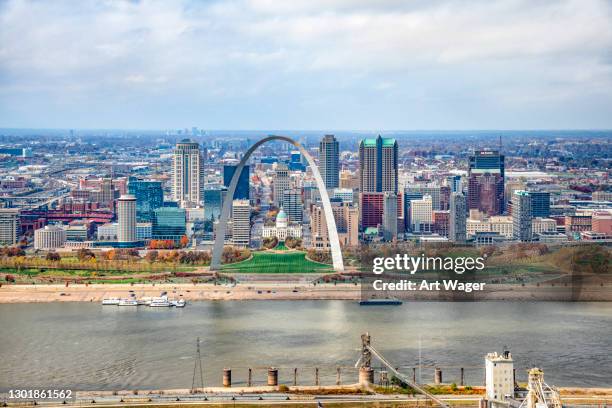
pixel 270 262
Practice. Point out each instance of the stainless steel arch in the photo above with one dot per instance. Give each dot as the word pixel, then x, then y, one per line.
pixel 332 231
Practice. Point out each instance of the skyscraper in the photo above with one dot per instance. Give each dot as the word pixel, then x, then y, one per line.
pixel 187 173
pixel 486 173
pixel 281 183
pixel 378 165
pixel 540 204
pixel 126 217
pixel 292 204
pixel 329 159
pixel 169 223
pixel 421 214
pixel 521 216
pixel 241 223
pixel 242 189
pixel 458 216
pixel 9 226
pixel 149 196
pixel 213 196
pixel 390 216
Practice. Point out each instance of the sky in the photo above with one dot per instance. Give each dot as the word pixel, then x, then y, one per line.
pixel 306 64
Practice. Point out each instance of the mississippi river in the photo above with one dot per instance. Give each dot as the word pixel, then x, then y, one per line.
pixel 86 346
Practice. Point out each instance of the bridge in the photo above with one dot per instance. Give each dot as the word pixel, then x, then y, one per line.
pixel 366 373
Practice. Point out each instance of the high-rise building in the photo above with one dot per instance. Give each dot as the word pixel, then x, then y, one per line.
pixel 390 216
pixel 213 196
pixel 521 216
pixel 431 190
pixel 329 161
pixel 347 223
pixel 242 189
pixel 378 165
pixel 458 216
pixel 9 226
pixel 540 204
pixel 292 204
pixel 454 182
pixel 441 221
pixel 486 175
pixel 149 196
pixel 408 197
pixel 169 223
pixel 126 217
pixel 187 173
pixel 421 214
pixel 241 223
pixel 281 183
pixel 485 193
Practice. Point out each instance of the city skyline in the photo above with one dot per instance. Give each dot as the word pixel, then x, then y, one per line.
pixel 258 64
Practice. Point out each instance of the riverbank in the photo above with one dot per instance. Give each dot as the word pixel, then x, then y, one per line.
pixel 295 289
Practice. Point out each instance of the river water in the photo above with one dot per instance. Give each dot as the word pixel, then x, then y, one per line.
pixel 85 346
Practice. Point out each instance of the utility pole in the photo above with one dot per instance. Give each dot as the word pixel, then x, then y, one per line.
pixel 197 368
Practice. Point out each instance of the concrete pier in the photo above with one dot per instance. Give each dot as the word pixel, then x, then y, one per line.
pixel 227 377
pixel 272 377
pixel 366 375
pixel 438 376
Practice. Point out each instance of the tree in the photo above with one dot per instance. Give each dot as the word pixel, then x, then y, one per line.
pixel 151 256
pixel 84 254
pixel 53 256
pixel 184 241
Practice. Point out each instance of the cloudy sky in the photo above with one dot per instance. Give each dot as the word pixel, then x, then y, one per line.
pixel 307 64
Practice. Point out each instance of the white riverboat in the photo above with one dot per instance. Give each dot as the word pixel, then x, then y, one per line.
pixel 179 303
pixel 161 301
pixel 128 302
pixel 110 301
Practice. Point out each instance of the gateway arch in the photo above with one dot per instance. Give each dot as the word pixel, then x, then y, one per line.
pixel 332 231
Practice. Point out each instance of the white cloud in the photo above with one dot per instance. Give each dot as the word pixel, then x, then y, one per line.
pixel 506 49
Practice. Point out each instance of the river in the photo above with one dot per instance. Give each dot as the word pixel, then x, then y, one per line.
pixel 86 346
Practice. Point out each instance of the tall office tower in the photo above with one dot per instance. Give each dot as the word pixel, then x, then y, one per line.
pixel 241 223
pixel 499 376
pixel 445 193
pixel 187 173
pixel 441 220
pixel 292 204
pixel 126 217
pixel 149 196
pixel 454 182
pixel 347 223
pixel 378 165
pixel 458 215
pixel 296 163
pixel 242 189
pixel 484 193
pixel 521 216
pixel 390 216
pixel 107 192
pixel 486 174
pixel 540 204
pixel 371 207
pixel 9 226
pixel 434 191
pixel 213 196
pixel 349 180
pixel 408 197
pixel 421 214
pixel 169 223
pixel 281 184
pixel 329 161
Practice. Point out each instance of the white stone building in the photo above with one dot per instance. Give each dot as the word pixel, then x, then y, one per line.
pixel 282 229
pixel 499 376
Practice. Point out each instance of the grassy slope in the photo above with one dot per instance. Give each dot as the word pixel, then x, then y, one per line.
pixel 269 262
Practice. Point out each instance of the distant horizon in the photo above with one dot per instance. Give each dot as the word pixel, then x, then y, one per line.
pixel 458 130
